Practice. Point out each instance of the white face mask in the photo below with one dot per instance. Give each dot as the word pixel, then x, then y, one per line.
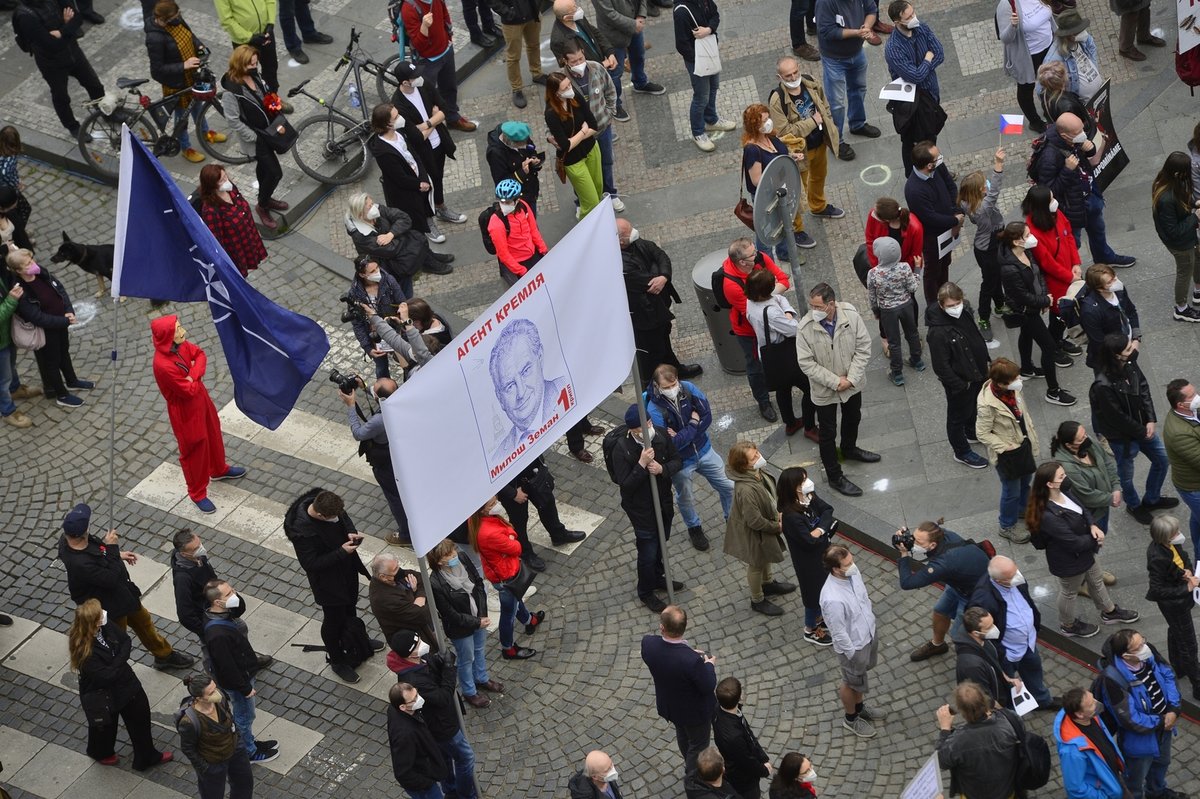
pixel 941 159
pixel 792 84
pixel 1082 36
pixel 200 552
pixel 851 570
pixel 760 463
pixel 1195 403
pixel 992 634
pixel 1029 242
pixel 671 393
pixel 611 776
pixel 809 775
pixel 375 278
pixel 103 617
pixel 1116 285
pixel 397 123
pixel 807 487
pixel 569 94
pixel 578 15
pixel 768 126
pixel 234 601
pixel 579 69
pixel 819 316
pixel 648 434
pixel 1178 540
pixel 226 186
pixel 507 208
pixel 418 81
pixel 1053 205
pixel 954 310
pixel 1018 579
pixel 1079 138
pixel 422 649
pixel 1143 654
pixel 919 552
pixel 1016 385
pixel 373 214
pixel 912 23
pixel 634 235
pixel 418 703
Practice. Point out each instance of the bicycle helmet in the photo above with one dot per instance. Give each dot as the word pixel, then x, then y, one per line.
pixel 204 86
pixel 508 189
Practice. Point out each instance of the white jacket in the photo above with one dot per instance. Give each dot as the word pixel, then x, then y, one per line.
pixel 824 358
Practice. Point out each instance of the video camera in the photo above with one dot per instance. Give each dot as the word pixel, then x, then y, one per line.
pixel 903 538
pixel 347 384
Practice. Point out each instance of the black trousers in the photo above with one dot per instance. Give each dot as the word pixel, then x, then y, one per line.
pixel 692 740
pixel 267 170
pixel 509 277
pixel 1025 96
pixel 654 349
pixel 937 270
pixel 1181 641
pixel 381 467
pixel 235 772
pixel 56 76
pixel 787 411
pixel 1033 329
pixel 437 168
pixel 333 623
pixel 991 292
pixel 961 410
pixel 54 362
pixel 136 715
pixel 827 422
pixel 541 498
pixel 576 433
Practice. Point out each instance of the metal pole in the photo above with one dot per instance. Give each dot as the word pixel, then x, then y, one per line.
pixel 787 199
pixel 431 603
pixel 112 419
pixel 658 519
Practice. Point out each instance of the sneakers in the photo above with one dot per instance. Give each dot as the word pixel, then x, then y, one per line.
pixel 232 473
pixel 345 672
pixel 448 214
pixel 1122 261
pixel 1119 615
pixel 621 114
pixel 1060 396
pixel 804 240
pixel 867 131
pixel 1195 301
pixel 1070 347
pixel 262 755
pixel 1032 373
pixel 720 124
pixel 860 726
pixel 917 364
pixel 1020 536
pixel 704 143
pixel 18 419
pixel 518 98
pixel 82 385
pixel 1078 629
pixel 519 652
pixel 535 621
pixel 206 505
pixel 845 152
pixel 69 401
pixel 193 155
pixel 897 378
pixel 973 460
pixel 766 607
pixel 872 714
pixel 699 539
pixel 928 650
pixel 819 637
pixel 650 87
pixel 1186 315
pixel 830 212
pixel 175 660
pixel 1063 361
pixel 617 203
pixel 985 330
pixel 435 233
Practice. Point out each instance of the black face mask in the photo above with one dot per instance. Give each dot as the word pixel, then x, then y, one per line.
pixel 1085 448
pixel 1066 485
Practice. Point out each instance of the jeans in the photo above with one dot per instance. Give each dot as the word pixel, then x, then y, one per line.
pixel 7 406
pixel 1097 239
pixel 193 110
pixel 893 320
pixel 472 664
pixel 846 88
pixel 1147 775
pixel 511 609
pixel 292 12
pixel 796 16
pixel 432 792
pixel 649 562
pixel 636 53
pixel 1126 453
pixel 235 771
pixel 754 370
pixel 15 382
pixel 460 763
pixel 826 429
pixel 1192 500
pixel 441 75
pixel 961 410
pixel 243 718
pixel 712 468
pixel 704 99
pixel 605 142
pixel 1029 668
pixel 1014 496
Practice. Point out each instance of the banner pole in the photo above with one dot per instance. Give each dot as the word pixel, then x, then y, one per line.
pixel 112 417
pixel 431 603
pixel 658 519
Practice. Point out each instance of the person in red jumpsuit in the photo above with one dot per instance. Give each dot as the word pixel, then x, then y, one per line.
pixel 179 368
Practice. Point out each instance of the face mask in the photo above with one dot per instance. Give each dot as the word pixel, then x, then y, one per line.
pixel 1195 403
pixel 578 15
pixel 103 617
pixel 1053 206
pixel 252 71
pixel 1029 242
pixel 1178 540
pixel 418 703
pixel 955 311
pixel 792 84
pixel 418 81
pixel 1079 138
pixel 941 159
pixel 671 393
pixel 1143 654
pixel 1115 286
pixel 919 552
pixel 1015 385
pixel 649 433
pixel 216 697
pixel 634 235
pixel 375 278
pixel 809 775
pixel 992 634
pixel 768 126
pixel 611 776
pixel 569 94
pixel 495 510
pixel 226 186
pixel 453 562
pixel 397 123
pixel 200 552
pixel 422 649
pixel 1082 36
pixel 912 23
pixel 33 269
pixel 234 601
pixel 760 463
pixel 1085 448
pixel 579 69
pixel 851 570
pixel 373 214
pixel 1018 579
pixel 807 487
pixel 507 208
pixel 819 316
pixel 1065 485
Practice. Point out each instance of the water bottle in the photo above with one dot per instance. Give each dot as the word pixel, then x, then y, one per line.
pixel 355 102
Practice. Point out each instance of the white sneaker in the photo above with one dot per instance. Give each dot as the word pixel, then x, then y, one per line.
pixel 721 124
pixel 617 205
pixel 704 143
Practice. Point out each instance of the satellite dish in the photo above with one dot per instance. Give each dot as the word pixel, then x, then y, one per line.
pixel 775 204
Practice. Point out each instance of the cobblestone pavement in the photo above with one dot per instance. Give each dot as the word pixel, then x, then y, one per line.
pixel 587 687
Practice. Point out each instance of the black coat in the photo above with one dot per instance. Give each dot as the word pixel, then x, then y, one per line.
pixel 582 787
pixel 642 261
pixel 332 572
pixel 744 757
pixel 29 307
pixel 1070 548
pixel 957 350
pixel 436 679
pixel 1098 318
pixel 981 664
pixel 805 550
pixel 35 24
pixel 412 117
pixel 417 761
pixel 454 606
pixel 401 185
pixel 988 597
pixel 1024 287
pixel 505 162
pixel 1070 186
pixel 1122 405
pixel 189 578
pixel 696 788
pixel 233 660
pixel 1167 585
pixel 109 669
pixel 99 573
pixel 166 62
pixel 633 479
pixel 401 257
pixel 250 103
pixel 516 12
pixel 934 201
pixel 684 685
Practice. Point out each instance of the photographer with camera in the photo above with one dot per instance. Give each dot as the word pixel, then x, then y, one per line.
pixel 376 288
pixel 367 429
pixel 932 554
pixel 400 335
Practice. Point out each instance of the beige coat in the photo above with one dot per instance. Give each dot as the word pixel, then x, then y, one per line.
pixel 996 426
pixel 824 359
pixel 787 120
pixel 753 534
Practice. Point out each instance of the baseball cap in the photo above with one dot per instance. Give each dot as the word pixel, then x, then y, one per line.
pixel 76 522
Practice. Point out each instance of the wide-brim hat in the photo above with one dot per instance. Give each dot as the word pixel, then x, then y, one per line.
pixel 1070 22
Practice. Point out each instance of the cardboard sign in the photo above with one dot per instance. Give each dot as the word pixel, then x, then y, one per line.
pixel 928 782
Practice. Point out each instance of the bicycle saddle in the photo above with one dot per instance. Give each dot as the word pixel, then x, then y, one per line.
pixel 129 83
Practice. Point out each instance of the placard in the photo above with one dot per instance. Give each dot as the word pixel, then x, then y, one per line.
pixel 928 782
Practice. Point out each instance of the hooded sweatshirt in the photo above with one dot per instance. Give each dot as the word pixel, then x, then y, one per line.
pixel 173 365
pixel 892 283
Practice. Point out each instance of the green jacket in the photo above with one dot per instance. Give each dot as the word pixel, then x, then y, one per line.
pixel 753 534
pixel 1181 437
pixel 242 19
pixel 7 308
pixel 1092 485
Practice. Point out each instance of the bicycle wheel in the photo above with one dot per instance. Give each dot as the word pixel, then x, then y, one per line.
pixel 385 82
pixel 331 150
pixel 229 151
pixel 100 139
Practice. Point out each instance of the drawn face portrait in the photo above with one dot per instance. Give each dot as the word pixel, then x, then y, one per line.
pixel 517 375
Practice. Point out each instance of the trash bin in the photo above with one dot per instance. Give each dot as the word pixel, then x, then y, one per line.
pixel 729 354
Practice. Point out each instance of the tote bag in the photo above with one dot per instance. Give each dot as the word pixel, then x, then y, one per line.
pixel 708 53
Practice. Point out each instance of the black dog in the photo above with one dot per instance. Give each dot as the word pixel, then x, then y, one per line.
pixel 95 259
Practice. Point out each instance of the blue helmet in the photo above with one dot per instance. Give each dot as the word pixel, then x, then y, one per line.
pixel 508 189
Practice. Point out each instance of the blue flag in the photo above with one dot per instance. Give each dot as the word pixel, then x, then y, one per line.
pixel 165 251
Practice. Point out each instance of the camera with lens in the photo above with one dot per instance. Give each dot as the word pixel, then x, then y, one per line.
pixel 347 384
pixel 903 538
pixel 535 168
pixel 353 312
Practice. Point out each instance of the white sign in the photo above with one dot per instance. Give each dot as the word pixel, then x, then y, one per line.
pixel 946 243
pixel 549 350
pixel 928 782
pixel 1196 591
pixel 900 90
pixel 1023 701
pixel 1187 16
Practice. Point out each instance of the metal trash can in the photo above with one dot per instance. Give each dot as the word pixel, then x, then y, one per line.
pixel 729 354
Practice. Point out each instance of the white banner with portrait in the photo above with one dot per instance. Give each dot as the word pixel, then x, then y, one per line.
pixel 549 350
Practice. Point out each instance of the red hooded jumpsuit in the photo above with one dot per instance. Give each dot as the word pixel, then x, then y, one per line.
pixel 178 371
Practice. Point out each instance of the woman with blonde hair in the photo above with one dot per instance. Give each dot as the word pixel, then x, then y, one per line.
pixel 759 148
pixel 572 126
pixel 246 102
pixel 495 540
pixel 99 653
pixel 753 533
pixel 1057 98
pixel 978 196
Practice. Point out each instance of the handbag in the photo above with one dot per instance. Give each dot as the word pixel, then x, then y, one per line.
pixel 744 210
pixel 26 335
pixel 862 264
pixel 280 142
pixel 97 706
pixel 708 53
pixel 1016 462
pixel 779 360
pixel 560 168
pixel 519 583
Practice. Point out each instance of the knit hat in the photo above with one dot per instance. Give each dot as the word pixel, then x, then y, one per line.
pixel 515 131
pixel 887 250
pixel 403 642
pixel 632 419
pixel 76 522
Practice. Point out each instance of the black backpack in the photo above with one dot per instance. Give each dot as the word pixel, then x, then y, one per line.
pixel 20 12
pixel 611 439
pixel 355 641
pixel 1033 755
pixel 1100 692
pixel 485 217
pixel 718 286
pixel 1036 147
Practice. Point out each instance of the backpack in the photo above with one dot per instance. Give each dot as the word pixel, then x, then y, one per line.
pixel 1099 691
pixel 185 709
pixel 611 439
pixel 22 42
pixel 485 217
pixel 1033 755
pixel 718 286
pixel 208 664
pixel 1036 147
pixel 1187 66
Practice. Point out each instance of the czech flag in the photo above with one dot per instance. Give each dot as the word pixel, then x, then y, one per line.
pixel 1012 124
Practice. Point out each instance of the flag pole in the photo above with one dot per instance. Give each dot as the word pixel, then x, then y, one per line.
pixel 112 418
pixel 658 518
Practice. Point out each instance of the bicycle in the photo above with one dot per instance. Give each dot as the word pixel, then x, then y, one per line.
pixel 154 123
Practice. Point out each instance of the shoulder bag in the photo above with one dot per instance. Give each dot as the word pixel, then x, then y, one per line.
pixel 744 210
pixel 519 583
pixel 708 53
pixel 779 361
pixel 26 335
pixel 280 142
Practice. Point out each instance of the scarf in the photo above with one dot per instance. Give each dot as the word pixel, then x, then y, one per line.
pixel 458 578
pixel 1009 398
pixel 182 35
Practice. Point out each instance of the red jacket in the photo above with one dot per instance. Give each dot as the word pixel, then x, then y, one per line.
pixel 911 241
pixel 499 549
pixel 521 241
pixel 186 399
pixel 434 43
pixel 1056 254
pixel 735 291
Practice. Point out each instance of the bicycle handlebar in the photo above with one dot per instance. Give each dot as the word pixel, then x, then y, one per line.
pixel 298 89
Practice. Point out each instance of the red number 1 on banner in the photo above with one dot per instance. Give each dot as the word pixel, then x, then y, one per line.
pixel 564 399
